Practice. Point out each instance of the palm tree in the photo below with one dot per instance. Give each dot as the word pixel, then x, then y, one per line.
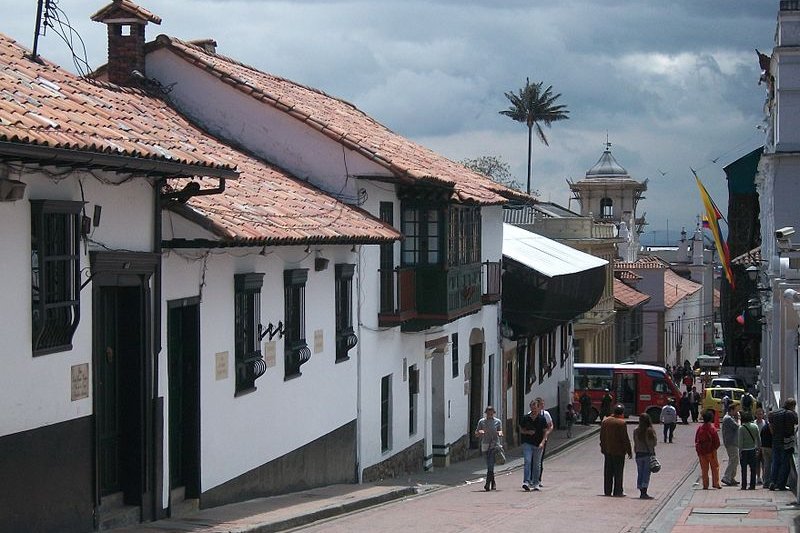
pixel 535 107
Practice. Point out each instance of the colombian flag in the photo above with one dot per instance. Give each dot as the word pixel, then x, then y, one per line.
pixel 711 221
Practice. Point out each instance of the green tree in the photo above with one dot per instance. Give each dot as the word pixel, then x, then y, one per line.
pixel 494 168
pixel 534 106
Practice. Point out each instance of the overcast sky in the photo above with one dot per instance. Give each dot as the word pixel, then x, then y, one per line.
pixel 673 83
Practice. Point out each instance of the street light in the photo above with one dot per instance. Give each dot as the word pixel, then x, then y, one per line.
pixel 762 285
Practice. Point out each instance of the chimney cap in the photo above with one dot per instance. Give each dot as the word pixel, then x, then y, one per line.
pixel 125 9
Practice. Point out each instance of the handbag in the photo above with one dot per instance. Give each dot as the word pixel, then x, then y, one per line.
pixel 655 466
pixel 499 454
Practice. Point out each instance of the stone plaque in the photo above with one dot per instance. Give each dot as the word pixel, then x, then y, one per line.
pixel 466 388
pixel 79 375
pixel 221 365
pixel 270 354
pixel 318 346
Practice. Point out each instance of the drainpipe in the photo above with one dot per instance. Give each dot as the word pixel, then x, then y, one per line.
pixel 359 438
pixel 158 495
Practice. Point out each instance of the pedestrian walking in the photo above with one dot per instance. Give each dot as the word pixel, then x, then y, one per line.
pixel 570 417
pixel 694 404
pixel 706 443
pixel 749 443
pixel 549 429
pixel 766 453
pixel 730 436
pixel 748 402
pixel 605 405
pixel 644 446
pixel 669 418
pixel 586 407
pixel 783 423
pixel 615 445
pixel 683 408
pixel 760 422
pixel 489 431
pixel 532 429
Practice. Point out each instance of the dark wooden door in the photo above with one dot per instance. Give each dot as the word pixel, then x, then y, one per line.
pixel 183 331
pixel 119 349
pixel 476 390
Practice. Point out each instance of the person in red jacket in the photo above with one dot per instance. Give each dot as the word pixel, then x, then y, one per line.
pixel 706 442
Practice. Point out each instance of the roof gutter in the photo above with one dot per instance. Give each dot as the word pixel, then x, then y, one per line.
pixel 55 156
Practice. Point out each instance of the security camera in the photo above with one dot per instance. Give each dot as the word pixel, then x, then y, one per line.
pixel 784 233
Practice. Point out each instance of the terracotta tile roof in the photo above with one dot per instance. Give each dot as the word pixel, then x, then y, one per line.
pixel 627 296
pixel 644 262
pixel 44 105
pixel 125 7
pixel 268 206
pixel 626 275
pixel 346 124
pixel 753 257
pixel 677 288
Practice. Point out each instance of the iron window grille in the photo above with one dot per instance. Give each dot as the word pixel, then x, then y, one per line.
pixel 386 413
pixel 250 364
pixel 296 351
pixel 55 274
pixel 345 336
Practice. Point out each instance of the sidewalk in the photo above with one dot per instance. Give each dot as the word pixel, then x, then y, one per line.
pixel 287 511
pixel 731 510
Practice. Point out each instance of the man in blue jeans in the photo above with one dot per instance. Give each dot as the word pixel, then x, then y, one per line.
pixel 532 428
pixel 783 423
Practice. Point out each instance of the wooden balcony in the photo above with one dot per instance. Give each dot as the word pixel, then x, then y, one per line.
pixel 417 298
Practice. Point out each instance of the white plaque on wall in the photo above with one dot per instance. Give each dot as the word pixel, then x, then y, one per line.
pixel 318 341
pixel 270 351
pixel 79 375
pixel 221 365
pixel 466 388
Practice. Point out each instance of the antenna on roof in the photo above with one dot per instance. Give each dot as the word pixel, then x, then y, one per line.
pixel 40 28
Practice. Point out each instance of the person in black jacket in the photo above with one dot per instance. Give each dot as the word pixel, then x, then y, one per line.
pixel 784 424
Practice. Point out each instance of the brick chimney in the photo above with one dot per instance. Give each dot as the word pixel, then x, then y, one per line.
pixel 126 22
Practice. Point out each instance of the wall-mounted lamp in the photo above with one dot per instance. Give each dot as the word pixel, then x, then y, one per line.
pixel 11 190
pixel 761 283
pixel 320 263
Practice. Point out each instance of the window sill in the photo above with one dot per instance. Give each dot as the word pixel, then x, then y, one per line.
pixel 244 392
pixel 292 376
pixel 343 359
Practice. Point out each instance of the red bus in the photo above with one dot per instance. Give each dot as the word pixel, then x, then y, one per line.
pixel 640 388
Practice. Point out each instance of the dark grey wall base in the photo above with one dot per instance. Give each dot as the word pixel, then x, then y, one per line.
pixel 47 478
pixel 328 460
pixel 409 460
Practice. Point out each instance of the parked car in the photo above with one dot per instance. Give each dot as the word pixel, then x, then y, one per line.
pixel 714 395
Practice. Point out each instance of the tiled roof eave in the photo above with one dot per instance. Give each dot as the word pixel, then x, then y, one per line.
pixel 493 197
pixel 76 157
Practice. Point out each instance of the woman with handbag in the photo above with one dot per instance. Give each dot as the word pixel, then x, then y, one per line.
pixel 644 445
pixel 489 432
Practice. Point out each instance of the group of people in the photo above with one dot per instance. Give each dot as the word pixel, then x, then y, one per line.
pixel 761 445
pixel 535 428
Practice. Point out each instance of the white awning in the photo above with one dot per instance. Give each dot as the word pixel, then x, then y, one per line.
pixel 545 256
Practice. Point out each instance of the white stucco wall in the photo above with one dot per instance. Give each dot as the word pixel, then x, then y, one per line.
pixel 241 433
pixel 229 113
pixel 35 391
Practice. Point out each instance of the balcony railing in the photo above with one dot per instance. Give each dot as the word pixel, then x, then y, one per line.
pixel 491 274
